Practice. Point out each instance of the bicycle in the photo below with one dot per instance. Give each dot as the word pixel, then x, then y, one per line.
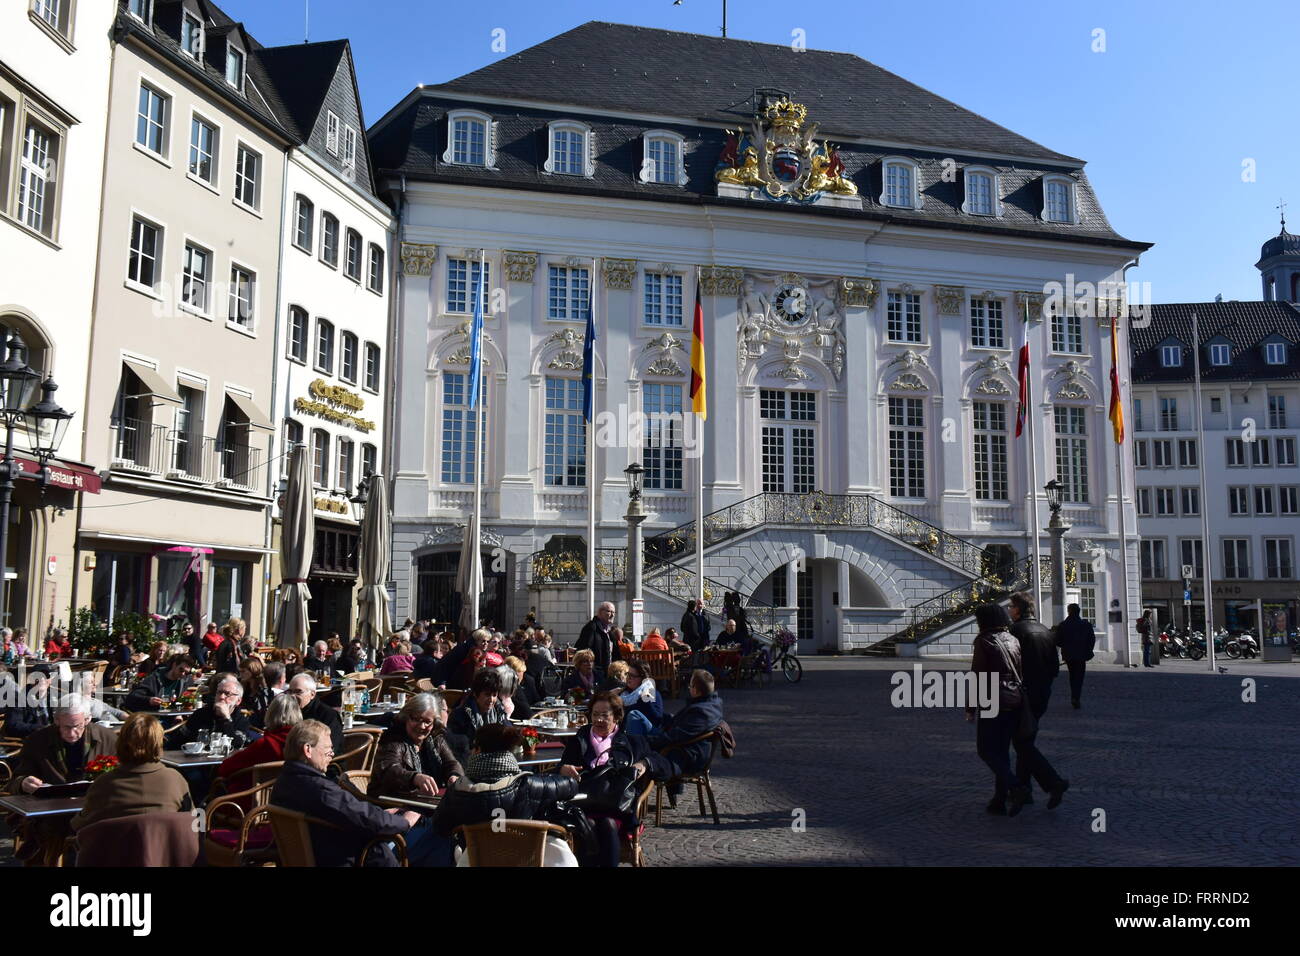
pixel 779 654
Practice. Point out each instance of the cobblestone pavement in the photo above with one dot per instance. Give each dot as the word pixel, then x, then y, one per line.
pixel 1185 772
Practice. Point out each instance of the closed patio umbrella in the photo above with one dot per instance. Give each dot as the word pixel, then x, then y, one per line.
pixel 469 576
pixel 297 540
pixel 372 604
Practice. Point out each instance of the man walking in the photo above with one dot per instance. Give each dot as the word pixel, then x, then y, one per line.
pixel 1076 640
pixel 596 636
pixel 1040 667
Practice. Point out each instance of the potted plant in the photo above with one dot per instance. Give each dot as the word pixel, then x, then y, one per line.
pixel 101 765
pixel 531 739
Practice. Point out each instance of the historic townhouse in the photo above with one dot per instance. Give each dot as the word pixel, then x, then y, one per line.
pixel 331 374
pixel 1250 375
pixel 53 80
pixel 864 250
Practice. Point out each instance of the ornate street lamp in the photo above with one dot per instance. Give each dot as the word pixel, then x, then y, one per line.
pixel 46 423
pixel 1053 489
pixel 18 380
pixel 635 477
pixel 1057 527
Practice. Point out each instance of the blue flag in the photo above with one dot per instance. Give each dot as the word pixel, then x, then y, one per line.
pixel 476 343
pixel 589 362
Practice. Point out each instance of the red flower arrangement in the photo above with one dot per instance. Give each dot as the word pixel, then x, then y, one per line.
pixel 102 765
pixel 531 739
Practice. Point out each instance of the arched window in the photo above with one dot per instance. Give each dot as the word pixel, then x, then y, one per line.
pixel 983 192
pixel 1058 199
pixel 570 152
pixel 901 179
pixel 37 346
pixel 1295 287
pixel 664 160
pixel 471 139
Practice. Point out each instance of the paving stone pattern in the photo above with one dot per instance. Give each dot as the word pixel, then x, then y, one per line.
pixel 1187 774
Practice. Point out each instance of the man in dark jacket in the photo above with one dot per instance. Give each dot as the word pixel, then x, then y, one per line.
pixel 1041 665
pixel 695 626
pixel 596 636
pixel 34 709
pixel 221 715
pixel 162 683
pixel 303 687
pixel 1076 639
pixel 353 823
pixel 701 714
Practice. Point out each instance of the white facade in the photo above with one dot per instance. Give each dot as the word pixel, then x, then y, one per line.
pixel 53 109
pixel 862 581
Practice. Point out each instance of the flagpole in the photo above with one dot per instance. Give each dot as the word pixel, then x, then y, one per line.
pixel 591 459
pixel 699 490
pixel 1129 659
pixel 1036 548
pixel 478 434
pixel 1206 553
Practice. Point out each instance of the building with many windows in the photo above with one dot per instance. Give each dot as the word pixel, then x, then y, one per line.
pixel 864 270
pixel 331 373
pixel 53 74
pixel 1250 375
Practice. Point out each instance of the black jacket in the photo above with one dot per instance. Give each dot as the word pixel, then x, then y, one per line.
pixel 428 666
pixel 526 796
pixel 26 720
pixel 466 720
pixel 695 630
pixel 399 760
pixel 1076 639
pixel 227 656
pixel 698 717
pixel 149 687
pixel 625 749
pixel 574 679
pixel 302 787
pixel 1038 660
pixel 598 642
pixel 327 715
pixel 205 718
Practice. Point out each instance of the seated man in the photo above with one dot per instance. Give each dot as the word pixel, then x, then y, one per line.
pixel 221 715
pixel 303 687
pixel 320 660
pixel 352 822
pixel 53 755
pixel 163 683
pixel 35 709
pixel 700 715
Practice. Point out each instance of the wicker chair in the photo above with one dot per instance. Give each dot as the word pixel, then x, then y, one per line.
pixel 238 837
pixel 630 850
pixel 453 697
pixel 698 777
pixel 293 838
pixel 424 686
pixel 358 750
pixel 508 842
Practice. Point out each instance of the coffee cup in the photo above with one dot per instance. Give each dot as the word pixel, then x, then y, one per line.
pixel 194 747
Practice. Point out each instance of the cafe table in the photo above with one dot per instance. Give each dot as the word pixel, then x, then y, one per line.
pixel 540 762
pixel 26 805
pixel 425 804
pixel 180 760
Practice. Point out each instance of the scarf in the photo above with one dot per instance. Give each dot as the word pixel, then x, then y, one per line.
pixel 600 747
pixel 489 768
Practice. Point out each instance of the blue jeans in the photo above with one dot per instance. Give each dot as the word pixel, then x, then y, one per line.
pixel 635 722
pixel 426 848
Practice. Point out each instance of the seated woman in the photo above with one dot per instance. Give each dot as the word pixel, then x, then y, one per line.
pixel 257 695
pixel 140 784
pixel 493 781
pixel 654 641
pixel 481 706
pixel 157 654
pixel 282 715
pixel 399 662
pixel 642 702
pixel 528 691
pixel 584 675
pixel 602 742
pixel 615 677
pixel 88 683
pixel 513 698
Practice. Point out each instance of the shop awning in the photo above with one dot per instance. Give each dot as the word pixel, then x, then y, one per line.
pixel 256 418
pixel 155 386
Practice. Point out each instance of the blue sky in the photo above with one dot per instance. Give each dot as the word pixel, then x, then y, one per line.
pixel 1183 94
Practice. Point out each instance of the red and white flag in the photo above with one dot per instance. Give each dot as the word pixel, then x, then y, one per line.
pixel 1022 409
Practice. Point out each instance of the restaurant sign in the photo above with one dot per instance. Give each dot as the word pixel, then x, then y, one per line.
pixel 69 477
pixel 332 504
pixel 334 403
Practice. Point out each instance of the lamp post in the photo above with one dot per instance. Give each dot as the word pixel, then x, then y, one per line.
pixel 1057 527
pixel 635 516
pixel 44 425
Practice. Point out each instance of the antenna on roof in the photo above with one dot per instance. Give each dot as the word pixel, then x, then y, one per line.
pixel 306 21
pixel 678 3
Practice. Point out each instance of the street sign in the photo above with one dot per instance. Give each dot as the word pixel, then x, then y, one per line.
pixel 638 618
pixel 1187 572
pixel 1187 597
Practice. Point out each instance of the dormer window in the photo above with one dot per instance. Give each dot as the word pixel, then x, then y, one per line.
pixel 570 153
pixel 349 151
pixel 470 139
pixel 901 180
pixel 1171 356
pixel 663 161
pixel 1220 353
pixel 235 67
pixel 331 133
pixel 982 192
pixel 142 10
pixel 1275 353
pixel 192 35
pixel 1058 199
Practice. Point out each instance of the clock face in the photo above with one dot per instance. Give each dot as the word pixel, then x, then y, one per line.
pixel 791 304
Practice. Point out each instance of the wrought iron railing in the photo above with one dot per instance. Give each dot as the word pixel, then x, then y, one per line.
pixel 958 604
pixel 568 567
pixel 142 446
pixel 678 583
pixel 139 445
pixel 821 511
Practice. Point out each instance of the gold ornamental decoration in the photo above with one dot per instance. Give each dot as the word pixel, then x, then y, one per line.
pixel 780 157
pixel 335 404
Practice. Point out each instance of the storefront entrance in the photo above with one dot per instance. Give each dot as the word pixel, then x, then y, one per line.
pixel 435 589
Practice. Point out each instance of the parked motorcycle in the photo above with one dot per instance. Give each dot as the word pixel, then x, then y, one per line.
pixel 1196 644
pixel 1242 644
pixel 1173 643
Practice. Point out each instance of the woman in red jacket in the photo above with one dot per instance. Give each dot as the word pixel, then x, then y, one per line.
pixel 281 717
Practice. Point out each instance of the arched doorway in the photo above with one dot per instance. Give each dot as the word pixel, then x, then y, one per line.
pixel 435 588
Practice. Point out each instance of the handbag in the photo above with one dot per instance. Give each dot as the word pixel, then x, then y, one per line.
pixel 1013 688
pixel 608 789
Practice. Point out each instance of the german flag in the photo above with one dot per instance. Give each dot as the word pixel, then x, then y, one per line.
pixel 1116 404
pixel 699 405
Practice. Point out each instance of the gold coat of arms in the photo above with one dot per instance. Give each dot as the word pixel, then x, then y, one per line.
pixel 781 157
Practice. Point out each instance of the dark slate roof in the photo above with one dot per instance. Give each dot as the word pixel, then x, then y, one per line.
pixel 301 75
pixel 411 140
pixel 1284 243
pixel 638 69
pixel 1245 324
